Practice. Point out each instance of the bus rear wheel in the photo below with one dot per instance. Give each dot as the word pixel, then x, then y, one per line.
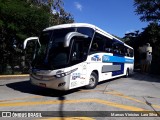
pixel 93 81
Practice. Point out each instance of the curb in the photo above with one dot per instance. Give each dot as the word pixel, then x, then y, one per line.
pixel 4 77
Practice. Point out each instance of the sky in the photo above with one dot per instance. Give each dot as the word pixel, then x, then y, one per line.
pixel 116 17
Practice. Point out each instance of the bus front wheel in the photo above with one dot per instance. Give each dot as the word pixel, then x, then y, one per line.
pixel 93 81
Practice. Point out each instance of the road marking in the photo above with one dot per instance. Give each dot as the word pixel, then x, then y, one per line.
pixel 123 96
pixel 68 118
pixel 117 105
pixel 6 76
pixel 29 97
pixel 104 102
pixel 115 93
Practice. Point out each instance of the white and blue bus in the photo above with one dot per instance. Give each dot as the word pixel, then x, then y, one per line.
pixel 72 55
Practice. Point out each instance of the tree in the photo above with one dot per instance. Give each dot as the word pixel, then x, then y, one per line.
pixel 20 19
pixel 148 9
pixel 57 13
pixel 151 34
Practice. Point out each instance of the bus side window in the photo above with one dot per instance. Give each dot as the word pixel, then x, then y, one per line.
pixel 95 46
pixel 118 48
pixel 122 50
pixel 98 43
pixel 129 52
pixel 79 50
pixel 126 52
pixel 115 48
pixel 108 45
pixel 116 51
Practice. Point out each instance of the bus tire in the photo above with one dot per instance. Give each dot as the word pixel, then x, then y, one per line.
pixel 93 81
pixel 127 73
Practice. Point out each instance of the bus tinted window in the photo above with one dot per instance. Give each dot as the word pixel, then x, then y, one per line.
pixel 79 50
pixel 118 48
pixel 129 52
pixel 98 43
pixel 108 45
pixel 86 31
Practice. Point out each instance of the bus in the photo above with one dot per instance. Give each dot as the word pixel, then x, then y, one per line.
pixel 73 55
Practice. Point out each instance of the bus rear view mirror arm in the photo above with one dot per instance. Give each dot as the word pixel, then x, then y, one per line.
pixel 70 35
pixel 28 39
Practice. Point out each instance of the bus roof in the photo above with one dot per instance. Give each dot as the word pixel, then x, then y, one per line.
pixel 70 25
pixel 84 25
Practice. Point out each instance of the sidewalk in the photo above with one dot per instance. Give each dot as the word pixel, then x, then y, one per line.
pixel 10 77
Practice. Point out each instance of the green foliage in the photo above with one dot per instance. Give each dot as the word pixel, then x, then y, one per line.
pixel 20 19
pixel 150 34
pixel 148 9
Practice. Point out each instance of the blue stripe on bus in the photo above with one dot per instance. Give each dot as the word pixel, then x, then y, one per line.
pixel 118 72
pixel 107 58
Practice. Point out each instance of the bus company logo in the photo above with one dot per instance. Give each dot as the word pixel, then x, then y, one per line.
pixel 96 58
pixel 105 58
pixel 75 76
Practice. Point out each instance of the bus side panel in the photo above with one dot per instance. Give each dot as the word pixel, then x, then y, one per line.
pixel 95 63
pixel 129 65
pixel 79 77
pixel 120 71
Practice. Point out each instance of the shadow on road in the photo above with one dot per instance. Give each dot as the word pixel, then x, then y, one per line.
pixel 27 87
pixel 145 77
pixel 61 113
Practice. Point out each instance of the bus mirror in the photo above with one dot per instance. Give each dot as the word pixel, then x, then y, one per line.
pixel 70 35
pixel 28 39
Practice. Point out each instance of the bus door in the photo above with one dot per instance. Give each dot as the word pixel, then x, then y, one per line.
pixel 78 57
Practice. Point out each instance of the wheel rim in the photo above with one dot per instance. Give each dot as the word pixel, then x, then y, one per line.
pixel 92 81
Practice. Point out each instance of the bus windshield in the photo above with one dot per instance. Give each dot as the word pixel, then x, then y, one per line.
pixel 52 54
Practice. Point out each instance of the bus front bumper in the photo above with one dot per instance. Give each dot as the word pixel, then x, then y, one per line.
pixel 51 82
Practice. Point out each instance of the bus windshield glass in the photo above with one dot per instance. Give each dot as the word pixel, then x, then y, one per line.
pixel 52 54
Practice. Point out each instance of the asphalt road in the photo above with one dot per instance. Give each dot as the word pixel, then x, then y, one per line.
pixel 110 100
